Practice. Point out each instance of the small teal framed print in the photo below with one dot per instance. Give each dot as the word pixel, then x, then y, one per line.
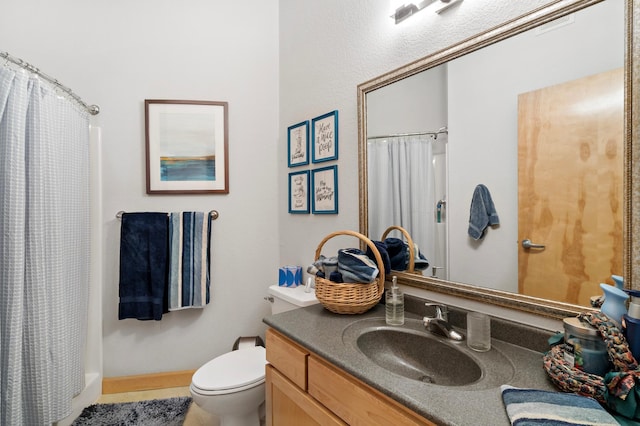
pixel 324 137
pixel 324 184
pixel 299 192
pixel 298 144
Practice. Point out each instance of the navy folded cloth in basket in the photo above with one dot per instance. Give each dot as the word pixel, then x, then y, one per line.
pixel 395 255
pixel 356 267
pixel 527 407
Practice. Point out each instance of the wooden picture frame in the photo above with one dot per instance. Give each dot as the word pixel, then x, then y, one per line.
pixel 324 183
pixel 299 192
pixel 324 137
pixel 298 144
pixel 187 147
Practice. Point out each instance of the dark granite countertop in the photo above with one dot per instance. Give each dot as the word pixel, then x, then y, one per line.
pixel 516 350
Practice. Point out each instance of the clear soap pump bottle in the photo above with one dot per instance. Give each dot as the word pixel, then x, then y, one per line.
pixel 394 304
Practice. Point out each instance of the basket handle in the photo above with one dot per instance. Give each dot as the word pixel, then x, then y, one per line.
pixel 368 242
pixel 412 252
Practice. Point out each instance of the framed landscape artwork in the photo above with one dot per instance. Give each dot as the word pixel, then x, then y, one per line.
pixel 187 147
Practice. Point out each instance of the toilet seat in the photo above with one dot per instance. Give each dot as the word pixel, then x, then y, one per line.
pixel 231 372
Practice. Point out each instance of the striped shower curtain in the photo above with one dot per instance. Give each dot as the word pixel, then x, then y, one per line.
pixel 44 249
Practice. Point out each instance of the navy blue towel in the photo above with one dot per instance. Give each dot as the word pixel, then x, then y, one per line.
pixel 398 254
pixel 144 248
pixel 382 249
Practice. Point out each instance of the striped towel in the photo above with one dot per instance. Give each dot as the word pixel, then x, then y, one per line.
pixel 189 235
pixel 529 407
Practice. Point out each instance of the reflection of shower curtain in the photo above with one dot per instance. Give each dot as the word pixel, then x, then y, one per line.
pixel 44 250
pixel 402 188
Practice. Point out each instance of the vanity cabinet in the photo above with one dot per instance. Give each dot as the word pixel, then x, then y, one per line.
pixel 304 389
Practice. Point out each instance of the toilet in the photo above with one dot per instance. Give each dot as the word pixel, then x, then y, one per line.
pixel 231 386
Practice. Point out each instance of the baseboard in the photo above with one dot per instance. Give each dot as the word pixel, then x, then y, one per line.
pixel 171 379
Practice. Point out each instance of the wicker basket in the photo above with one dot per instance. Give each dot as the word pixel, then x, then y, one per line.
pixel 350 298
pixel 407 237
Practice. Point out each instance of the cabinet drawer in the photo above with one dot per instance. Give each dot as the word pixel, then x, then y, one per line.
pixel 288 405
pixel 288 357
pixel 355 402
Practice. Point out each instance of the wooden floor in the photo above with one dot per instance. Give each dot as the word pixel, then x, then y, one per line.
pixel 195 416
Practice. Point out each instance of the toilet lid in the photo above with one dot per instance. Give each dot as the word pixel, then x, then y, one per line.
pixel 232 370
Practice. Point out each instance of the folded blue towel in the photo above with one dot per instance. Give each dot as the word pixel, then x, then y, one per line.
pixel 482 212
pixel 323 266
pixel 143 266
pixel 382 249
pixel 356 267
pixel 189 254
pixel 530 407
pixel 336 277
pixel 398 252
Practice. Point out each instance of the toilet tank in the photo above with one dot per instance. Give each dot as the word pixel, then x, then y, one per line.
pixel 286 298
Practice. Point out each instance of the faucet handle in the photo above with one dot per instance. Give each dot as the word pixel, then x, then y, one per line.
pixel 441 310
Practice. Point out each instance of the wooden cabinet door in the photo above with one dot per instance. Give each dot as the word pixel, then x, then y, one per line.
pixel 288 405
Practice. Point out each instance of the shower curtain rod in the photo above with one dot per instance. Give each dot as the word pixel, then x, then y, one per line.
pixel 93 109
pixel 435 134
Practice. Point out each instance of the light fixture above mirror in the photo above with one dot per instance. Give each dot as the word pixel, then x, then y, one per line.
pixel 402 11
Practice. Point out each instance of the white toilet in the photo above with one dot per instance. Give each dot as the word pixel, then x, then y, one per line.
pixel 231 386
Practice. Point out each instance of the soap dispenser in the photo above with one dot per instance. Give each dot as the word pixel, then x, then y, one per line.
pixel 394 304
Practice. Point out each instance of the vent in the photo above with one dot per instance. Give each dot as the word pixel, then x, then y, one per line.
pixel 555 24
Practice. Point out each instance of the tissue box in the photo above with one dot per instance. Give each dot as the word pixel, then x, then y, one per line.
pixel 290 276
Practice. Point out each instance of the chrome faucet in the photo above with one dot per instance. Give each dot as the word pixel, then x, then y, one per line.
pixel 440 323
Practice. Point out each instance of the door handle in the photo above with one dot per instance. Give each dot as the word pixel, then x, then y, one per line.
pixel 529 245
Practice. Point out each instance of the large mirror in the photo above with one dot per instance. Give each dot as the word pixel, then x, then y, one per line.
pixel 535 119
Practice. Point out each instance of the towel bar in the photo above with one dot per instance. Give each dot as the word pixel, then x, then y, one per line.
pixel 214 214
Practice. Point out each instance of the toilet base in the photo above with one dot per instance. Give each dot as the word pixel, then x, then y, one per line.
pixel 248 419
pixel 234 409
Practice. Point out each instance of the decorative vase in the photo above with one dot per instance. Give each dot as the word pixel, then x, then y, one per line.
pixel 619 280
pixel 615 303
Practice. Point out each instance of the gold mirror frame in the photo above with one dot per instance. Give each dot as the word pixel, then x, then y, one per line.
pixel 631 225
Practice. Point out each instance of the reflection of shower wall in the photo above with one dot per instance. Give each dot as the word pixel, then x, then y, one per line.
pixel 439 259
pixel 416 104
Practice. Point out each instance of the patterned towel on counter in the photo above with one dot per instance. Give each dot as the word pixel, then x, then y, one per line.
pixel 189 258
pixel 528 407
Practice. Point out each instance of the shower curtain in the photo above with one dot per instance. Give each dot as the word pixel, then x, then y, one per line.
pixel 402 188
pixel 44 249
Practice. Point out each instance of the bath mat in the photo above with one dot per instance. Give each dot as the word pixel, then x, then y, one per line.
pixel 165 412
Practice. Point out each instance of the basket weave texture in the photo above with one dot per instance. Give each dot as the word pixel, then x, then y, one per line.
pixel 407 237
pixel 350 298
